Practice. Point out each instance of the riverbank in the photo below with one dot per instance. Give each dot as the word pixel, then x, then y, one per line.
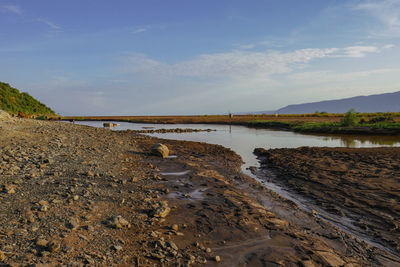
pixel 370 123
pixel 358 184
pixel 77 194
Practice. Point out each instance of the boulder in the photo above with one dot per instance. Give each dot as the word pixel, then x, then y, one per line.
pixel 160 150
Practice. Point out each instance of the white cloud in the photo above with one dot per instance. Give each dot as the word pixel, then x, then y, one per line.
pixel 330 77
pixel 359 51
pixel 49 23
pixel 229 65
pixel 140 30
pixel 12 8
pixel 386 11
pixel 388 46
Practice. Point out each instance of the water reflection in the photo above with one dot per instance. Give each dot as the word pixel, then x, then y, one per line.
pixel 244 140
pixel 353 141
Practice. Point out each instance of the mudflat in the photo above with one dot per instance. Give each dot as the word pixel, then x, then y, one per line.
pixel 360 184
pixel 79 195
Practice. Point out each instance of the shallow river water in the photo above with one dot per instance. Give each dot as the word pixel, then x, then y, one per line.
pixel 243 140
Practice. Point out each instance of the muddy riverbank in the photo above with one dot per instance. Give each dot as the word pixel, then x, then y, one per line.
pixel 361 186
pixel 83 195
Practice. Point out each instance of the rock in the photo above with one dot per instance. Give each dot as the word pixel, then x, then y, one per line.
pixel 172 245
pixel 308 263
pixel 161 212
pixel 160 150
pixel 117 248
pixel 76 197
pixel 118 222
pixel 53 246
pixel 10 189
pixel 175 227
pixel 73 224
pixel 41 243
pixel 217 258
pixel 2 256
pixel 90 174
pixel 208 250
pixel 332 259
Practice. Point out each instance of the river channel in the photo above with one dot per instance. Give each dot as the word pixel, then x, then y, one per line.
pixel 243 140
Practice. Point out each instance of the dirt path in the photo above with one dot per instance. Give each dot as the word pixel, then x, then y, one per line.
pixel 81 195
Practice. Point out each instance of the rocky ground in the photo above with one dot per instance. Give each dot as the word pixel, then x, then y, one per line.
pixel 78 195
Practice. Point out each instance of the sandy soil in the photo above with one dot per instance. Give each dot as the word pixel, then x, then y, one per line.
pixel 80 195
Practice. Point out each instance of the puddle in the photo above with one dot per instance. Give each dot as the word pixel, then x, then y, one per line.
pixel 172 157
pixel 174 173
pixel 194 195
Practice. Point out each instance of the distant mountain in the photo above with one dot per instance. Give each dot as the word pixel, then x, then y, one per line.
pixel 13 101
pixel 389 102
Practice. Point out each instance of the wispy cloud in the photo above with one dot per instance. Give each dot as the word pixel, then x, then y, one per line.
pixel 140 30
pixel 230 64
pixel 51 24
pixel 386 11
pixel 358 51
pixel 242 63
pixel 12 8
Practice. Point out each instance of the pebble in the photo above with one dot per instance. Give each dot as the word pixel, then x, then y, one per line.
pixel 119 222
pixel 217 258
pixel 175 227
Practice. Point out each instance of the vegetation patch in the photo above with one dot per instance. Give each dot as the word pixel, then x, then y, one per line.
pixel 13 101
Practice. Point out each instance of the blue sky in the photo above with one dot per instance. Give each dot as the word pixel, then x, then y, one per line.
pixel 128 57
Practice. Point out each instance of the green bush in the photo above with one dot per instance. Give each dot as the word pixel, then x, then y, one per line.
pixel 350 118
pixel 385 117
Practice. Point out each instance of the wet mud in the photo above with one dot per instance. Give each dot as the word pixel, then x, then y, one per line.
pixel 358 188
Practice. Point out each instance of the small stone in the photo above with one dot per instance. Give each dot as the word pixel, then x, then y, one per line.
pixel 172 245
pixel 119 222
pixel 208 250
pixel 44 208
pixel 161 212
pixel 134 179
pixel 314 213
pixel 160 150
pixel 73 224
pixel 53 246
pixel 41 243
pixel 217 258
pixel 117 248
pixel 175 227
pixel 76 197
pixel 90 174
pixel 2 256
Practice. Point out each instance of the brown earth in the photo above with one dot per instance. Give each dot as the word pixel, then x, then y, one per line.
pixel 78 195
pixel 362 184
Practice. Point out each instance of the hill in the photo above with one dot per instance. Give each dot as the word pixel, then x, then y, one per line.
pixel 388 102
pixel 13 101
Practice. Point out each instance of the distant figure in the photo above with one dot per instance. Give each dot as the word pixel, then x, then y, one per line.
pixel 72 120
pixel 276 115
pixel 230 115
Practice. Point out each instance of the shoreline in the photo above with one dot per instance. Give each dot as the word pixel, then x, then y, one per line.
pixel 297 124
pixel 67 184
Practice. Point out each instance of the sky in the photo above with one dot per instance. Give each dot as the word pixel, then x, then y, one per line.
pixel 188 57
